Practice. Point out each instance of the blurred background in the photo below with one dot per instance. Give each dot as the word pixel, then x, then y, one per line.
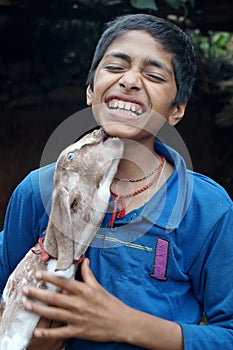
pixel 45 52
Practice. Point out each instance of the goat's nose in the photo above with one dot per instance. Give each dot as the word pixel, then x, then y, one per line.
pixel 96 132
pixel 104 135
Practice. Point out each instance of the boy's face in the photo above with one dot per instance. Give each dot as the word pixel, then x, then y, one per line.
pixel 134 87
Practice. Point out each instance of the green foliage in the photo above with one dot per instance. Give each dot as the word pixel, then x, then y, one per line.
pixel 151 4
pixel 176 4
pixel 144 4
pixel 215 84
pixel 214 44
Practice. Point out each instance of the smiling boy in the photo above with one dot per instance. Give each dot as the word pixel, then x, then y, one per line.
pixel 167 258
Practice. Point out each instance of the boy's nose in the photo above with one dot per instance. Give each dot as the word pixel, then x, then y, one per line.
pixel 130 80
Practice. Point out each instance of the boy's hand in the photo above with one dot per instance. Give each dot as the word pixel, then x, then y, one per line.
pixel 47 344
pixel 86 308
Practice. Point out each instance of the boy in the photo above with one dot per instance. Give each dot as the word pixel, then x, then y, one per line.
pixel 153 270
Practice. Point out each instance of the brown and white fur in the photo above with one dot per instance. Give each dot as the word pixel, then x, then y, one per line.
pixel 83 175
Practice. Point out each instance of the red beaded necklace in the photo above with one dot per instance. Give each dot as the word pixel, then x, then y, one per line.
pixel 122 197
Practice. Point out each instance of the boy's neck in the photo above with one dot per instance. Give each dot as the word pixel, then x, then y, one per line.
pixel 139 160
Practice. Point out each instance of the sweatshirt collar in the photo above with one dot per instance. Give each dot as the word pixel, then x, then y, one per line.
pixel 170 204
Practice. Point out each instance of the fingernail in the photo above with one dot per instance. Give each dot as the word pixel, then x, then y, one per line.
pixel 28 305
pixel 38 275
pixel 38 333
pixel 25 290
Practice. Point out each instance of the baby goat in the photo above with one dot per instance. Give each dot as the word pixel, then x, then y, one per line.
pixel 83 175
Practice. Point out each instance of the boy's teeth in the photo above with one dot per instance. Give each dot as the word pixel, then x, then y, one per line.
pixel 128 106
pixel 125 106
pixel 121 105
pixel 133 108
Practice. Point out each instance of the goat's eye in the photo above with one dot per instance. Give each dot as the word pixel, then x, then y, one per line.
pixel 71 155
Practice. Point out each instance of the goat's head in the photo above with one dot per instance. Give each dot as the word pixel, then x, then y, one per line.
pixel 83 175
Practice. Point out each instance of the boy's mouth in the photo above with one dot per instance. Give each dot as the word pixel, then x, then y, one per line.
pixel 125 107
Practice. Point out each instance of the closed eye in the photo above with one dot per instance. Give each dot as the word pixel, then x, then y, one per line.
pixel 114 68
pixel 156 78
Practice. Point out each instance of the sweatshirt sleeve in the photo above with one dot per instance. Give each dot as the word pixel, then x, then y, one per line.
pixel 25 220
pixel 212 276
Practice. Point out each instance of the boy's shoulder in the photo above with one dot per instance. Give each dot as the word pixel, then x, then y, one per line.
pixel 38 184
pixel 208 192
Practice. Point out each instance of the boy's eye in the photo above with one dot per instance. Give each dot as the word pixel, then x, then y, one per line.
pixel 155 77
pixel 113 68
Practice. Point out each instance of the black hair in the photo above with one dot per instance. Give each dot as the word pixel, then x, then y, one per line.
pixel 170 36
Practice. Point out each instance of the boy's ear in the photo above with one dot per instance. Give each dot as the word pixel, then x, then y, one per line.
pixel 89 94
pixel 176 114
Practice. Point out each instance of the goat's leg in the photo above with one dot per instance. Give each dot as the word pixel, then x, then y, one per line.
pixel 17 325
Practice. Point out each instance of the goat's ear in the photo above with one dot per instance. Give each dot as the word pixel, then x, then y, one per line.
pixel 59 236
pixel 60 213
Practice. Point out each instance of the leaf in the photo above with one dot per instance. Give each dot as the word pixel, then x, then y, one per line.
pixel 110 2
pixel 176 4
pixel 144 4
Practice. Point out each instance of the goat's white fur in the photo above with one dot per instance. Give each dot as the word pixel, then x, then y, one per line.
pixel 80 199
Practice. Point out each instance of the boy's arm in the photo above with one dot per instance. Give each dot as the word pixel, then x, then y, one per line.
pixel 25 220
pixel 17 235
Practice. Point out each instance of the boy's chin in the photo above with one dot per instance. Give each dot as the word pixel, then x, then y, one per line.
pixel 125 132
pixel 121 131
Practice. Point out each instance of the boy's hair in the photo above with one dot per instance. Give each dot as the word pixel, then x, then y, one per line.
pixel 170 36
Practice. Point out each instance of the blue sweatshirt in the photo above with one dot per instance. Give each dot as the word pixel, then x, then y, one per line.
pixel 172 258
